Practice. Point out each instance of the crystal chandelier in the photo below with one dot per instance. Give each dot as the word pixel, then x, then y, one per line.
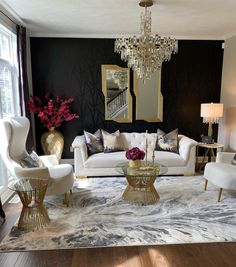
pixel 145 53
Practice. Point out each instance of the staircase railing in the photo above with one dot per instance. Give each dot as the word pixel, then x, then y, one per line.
pixel 118 104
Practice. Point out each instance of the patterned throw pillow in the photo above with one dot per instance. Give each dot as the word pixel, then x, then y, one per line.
pixel 167 141
pixel 31 161
pixel 94 142
pixel 112 142
pixel 234 160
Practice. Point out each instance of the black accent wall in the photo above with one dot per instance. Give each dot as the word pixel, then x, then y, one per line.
pixel 72 68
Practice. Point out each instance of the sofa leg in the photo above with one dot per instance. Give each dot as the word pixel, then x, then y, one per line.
pixel 81 177
pixel 220 193
pixel 71 191
pixel 206 182
pixel 66 200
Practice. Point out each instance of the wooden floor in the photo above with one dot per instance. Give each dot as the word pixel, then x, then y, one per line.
pixel 187 255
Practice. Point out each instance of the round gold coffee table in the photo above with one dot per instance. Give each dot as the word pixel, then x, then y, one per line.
pixel 31 192
pixel 140 189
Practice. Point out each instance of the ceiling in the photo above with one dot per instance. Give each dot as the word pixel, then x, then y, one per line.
pixel 184 19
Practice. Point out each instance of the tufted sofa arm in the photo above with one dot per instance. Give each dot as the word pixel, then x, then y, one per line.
pixel 186 146
pixel 225 157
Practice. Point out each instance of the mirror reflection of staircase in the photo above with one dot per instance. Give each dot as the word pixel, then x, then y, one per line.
pixel 118 104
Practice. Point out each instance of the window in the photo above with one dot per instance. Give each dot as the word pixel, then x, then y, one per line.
pixel 9 94
pixel 9 99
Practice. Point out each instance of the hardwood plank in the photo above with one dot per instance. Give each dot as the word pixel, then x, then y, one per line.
pixel 145 257
pixel 133 258
pixel 80 258
pixel 12 212
pixel 157 256
pixel 119 257
pixel 193 255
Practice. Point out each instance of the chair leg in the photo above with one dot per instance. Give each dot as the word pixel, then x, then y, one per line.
pixel 206 182
pixel 66 200
pixel 220 193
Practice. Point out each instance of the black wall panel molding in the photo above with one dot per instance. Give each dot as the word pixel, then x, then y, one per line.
pixel 71 67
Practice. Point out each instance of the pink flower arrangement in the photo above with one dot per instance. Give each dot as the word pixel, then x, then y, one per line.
pixel 52 112
pixel 135 154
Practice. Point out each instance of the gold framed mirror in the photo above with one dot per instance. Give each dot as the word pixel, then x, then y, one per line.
pixel 116 90
pixel 149 99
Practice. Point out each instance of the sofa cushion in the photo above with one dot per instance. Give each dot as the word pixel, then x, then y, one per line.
pixel 106 160
pixel 169 159
pixel 130 140
pixel 167 141
pixel 93 142
pixel 112 142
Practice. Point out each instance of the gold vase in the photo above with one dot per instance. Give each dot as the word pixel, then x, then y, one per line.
pixel 52 142
pixel 134 163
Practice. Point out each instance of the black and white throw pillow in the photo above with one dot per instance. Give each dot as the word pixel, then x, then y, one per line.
pixel 167 141
pixel 31 161
pixel 94 142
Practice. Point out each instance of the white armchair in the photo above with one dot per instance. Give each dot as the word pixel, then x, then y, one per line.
pixel 221 173
pixel 13 135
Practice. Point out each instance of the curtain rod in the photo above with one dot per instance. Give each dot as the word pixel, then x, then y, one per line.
pixel 8 17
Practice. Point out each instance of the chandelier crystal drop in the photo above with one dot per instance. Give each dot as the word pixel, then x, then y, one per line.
pixel 145 53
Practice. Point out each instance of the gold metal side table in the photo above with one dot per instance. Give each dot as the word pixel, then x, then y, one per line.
pixel 209 153
pixel 140 189
pixel 31 192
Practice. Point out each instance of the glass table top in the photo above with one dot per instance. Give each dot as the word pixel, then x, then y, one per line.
pixel 28 184
pixel 144 170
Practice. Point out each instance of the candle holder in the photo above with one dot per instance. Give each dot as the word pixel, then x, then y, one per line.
pixel 146 147
pixel 153 157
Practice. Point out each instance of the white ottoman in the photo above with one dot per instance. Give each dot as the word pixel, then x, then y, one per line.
pixel 222 175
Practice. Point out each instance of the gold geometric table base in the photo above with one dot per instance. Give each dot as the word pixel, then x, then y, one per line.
pixel 140 190
pixel 33 215
pixel 32 218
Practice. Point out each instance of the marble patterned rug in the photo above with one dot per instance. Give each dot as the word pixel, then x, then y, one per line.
pixel 99 217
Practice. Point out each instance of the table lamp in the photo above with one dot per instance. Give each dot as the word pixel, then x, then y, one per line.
pixel 211 112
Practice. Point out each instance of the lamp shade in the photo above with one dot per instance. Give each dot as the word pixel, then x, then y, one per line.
pixel 211 112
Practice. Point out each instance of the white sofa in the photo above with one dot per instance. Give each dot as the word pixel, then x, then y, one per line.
pixel 105 164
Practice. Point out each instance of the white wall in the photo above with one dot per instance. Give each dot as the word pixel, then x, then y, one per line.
pixel 227 125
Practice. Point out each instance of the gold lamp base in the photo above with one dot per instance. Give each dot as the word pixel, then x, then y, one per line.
pixel 146 3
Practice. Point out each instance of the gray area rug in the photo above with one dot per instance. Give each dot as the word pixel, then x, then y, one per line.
pixel 99 217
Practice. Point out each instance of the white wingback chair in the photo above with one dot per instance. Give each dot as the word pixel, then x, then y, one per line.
pixel 221 173
pixel 13 135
